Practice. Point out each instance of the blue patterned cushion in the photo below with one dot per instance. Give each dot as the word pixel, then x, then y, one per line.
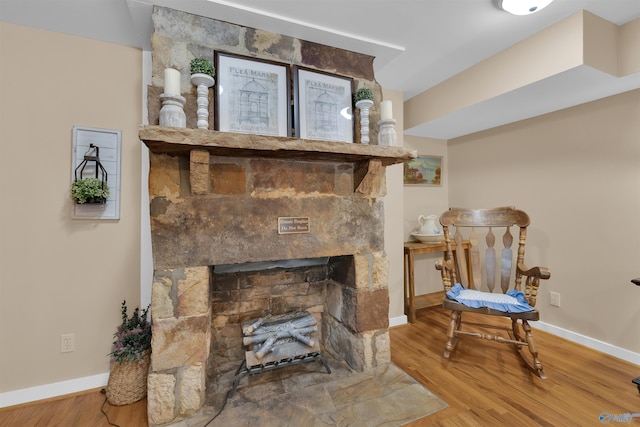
pixel 511 302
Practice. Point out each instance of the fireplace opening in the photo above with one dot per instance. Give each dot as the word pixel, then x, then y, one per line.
pixel 244 293
pixel 319 296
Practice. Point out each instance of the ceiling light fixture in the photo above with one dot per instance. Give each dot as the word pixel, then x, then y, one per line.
pixel 523 7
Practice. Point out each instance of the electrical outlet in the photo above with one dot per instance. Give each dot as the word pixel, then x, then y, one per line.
pixel 554 299
pixel 67 343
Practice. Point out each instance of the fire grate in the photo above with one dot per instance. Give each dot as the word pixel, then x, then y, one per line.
pixel 277 342
pixel 244 371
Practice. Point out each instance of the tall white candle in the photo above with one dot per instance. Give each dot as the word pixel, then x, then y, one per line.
pixel 171 81
pixel 386 110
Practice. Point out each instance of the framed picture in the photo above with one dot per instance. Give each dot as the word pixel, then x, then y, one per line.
pixel 252 95
pixel 323 105
pixel 423 171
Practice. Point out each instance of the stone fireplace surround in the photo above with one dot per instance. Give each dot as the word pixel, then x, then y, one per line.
pixel 215 203
pixel 215 200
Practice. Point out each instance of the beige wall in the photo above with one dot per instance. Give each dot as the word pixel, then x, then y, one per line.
pixel 426 201
pixel 629 48
pixel 393 211
pixel 59 275
pixel 577 173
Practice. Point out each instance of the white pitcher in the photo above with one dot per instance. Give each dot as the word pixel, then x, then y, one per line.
pixel 428 224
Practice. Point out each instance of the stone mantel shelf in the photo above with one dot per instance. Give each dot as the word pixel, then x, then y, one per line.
pixel 161 139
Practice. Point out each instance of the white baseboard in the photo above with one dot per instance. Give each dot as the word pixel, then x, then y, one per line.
pixel 397 321
pixel 584 340
pixel 46 391
pixel 611 350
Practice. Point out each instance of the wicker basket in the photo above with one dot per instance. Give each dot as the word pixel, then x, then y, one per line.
pixel 128 382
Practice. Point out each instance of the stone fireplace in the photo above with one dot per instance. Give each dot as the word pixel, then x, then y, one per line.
pixel 245 226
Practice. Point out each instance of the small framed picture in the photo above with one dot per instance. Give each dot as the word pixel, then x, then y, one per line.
pixel 423 171
pixel 252 95
pixel 323 105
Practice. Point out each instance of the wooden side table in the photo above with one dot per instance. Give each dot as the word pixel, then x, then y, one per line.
pixel 411 301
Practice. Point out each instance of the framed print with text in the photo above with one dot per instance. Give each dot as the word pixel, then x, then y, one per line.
pixel 323 105
pixel 252 95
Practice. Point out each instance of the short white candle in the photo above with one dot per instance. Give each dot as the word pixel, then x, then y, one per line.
pixel 386 110
pixel 171 81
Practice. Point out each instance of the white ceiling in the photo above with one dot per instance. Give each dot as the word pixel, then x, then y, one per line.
pixel 417 43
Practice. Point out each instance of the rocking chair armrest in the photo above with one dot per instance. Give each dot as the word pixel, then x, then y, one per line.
pixel 447 273
pixel 539 272
pixel 443 265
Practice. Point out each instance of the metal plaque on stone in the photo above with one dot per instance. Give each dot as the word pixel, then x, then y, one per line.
pixel 293 224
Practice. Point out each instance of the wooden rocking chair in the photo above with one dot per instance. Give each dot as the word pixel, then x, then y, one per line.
pixel 467 293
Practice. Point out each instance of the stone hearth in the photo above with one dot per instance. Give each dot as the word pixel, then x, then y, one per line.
pixel 305 395
pixel 219 199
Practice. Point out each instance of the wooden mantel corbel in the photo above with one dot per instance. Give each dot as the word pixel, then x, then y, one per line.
pixel 369 178
pixel 199 171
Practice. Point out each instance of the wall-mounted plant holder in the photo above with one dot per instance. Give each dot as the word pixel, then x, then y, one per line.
pixel 96 157
pixel 91 189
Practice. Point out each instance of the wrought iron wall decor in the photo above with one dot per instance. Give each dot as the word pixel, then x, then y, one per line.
pixel 96 153
pixel 98 170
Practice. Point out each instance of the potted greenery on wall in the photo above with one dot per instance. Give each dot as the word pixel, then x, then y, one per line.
pixel 202 72
pixel 89 190
pixel 130 358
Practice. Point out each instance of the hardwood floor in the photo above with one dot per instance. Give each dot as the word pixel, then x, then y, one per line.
pixel 484 384
pixel 487 384
pixel 77 410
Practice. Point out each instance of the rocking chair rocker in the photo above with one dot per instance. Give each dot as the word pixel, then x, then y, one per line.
pixel 465 291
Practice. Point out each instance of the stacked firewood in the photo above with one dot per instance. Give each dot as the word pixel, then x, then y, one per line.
pixel 278 337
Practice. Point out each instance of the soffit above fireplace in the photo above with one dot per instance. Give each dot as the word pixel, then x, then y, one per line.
pixel 169 140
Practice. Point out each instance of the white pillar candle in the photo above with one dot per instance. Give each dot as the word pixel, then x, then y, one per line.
pixel 386 110
pixel 171 81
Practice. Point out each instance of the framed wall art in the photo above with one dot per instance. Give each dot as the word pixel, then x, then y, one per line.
pixel 323 105
pixel 252 95
pixel 109 147
pixel 423 171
